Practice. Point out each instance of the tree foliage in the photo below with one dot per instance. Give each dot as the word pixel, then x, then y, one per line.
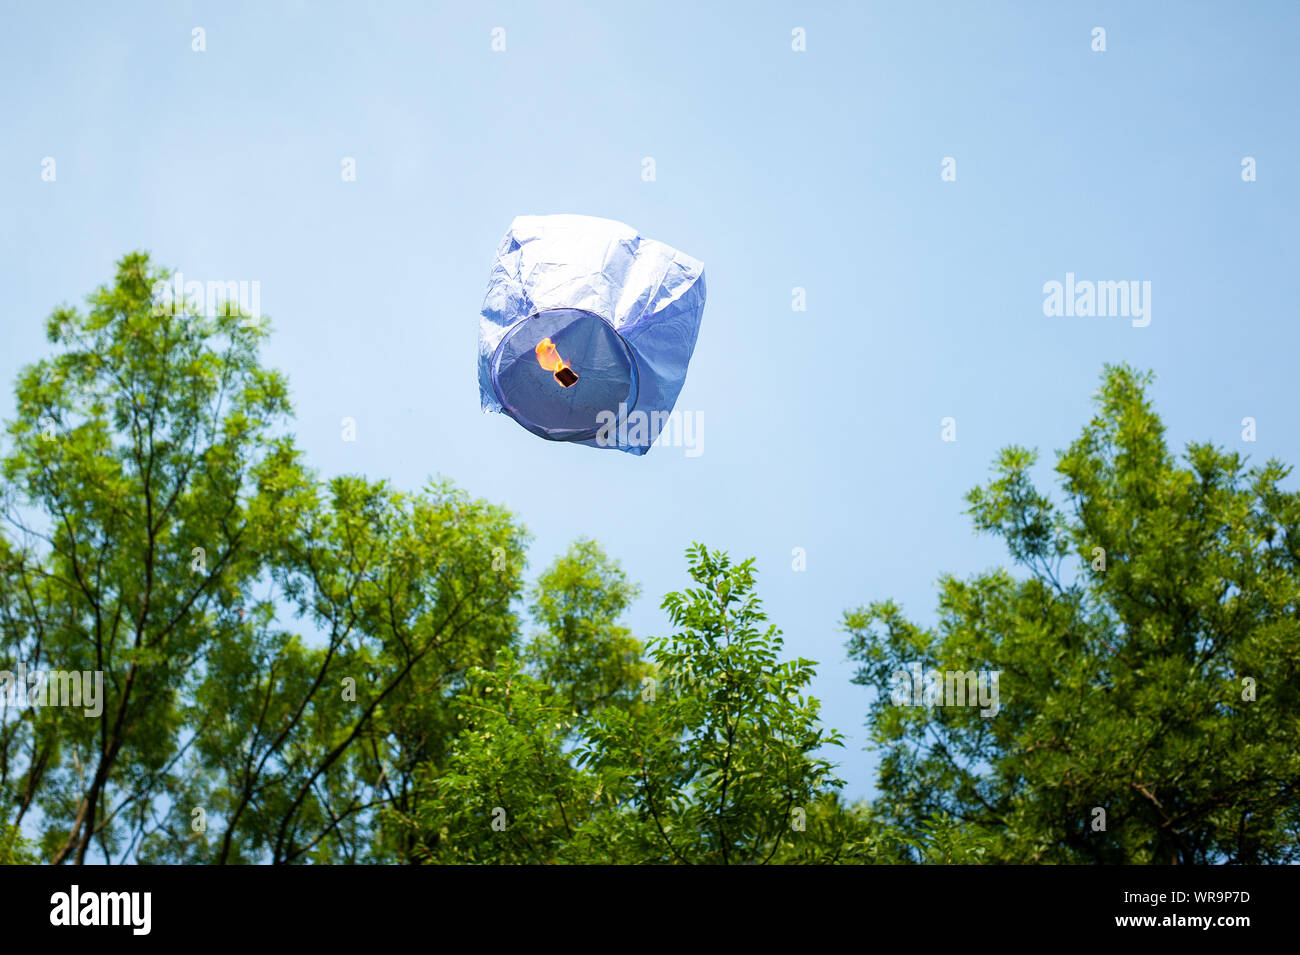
pixel 1149 658
pixel 298 669
pixel 715 761
pixel 160 527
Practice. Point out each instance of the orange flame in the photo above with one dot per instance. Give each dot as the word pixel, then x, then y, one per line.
pixel 548 357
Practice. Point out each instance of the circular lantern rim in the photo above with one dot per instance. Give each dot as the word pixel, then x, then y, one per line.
pixel 572 435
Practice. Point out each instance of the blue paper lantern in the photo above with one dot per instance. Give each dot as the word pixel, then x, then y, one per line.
pixel 585 325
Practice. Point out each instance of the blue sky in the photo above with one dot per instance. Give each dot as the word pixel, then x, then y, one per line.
pixel 778 169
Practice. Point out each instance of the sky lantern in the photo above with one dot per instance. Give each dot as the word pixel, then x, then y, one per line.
pixel 585 324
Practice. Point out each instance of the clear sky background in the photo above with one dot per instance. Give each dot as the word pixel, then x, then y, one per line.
pixel 817 169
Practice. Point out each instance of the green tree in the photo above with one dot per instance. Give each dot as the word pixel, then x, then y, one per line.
pixel 1149 656
pixel 144 480
pixel 722 766
pixel 707 752
pixel 509 793
pixel 579 648
pixel 403 592
pixel 509 790
pixel 159 527
pixel 14 848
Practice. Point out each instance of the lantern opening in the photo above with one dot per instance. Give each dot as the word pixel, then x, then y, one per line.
pixel 542 351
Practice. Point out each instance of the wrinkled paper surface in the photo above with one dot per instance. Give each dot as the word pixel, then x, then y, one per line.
pixel 650 293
